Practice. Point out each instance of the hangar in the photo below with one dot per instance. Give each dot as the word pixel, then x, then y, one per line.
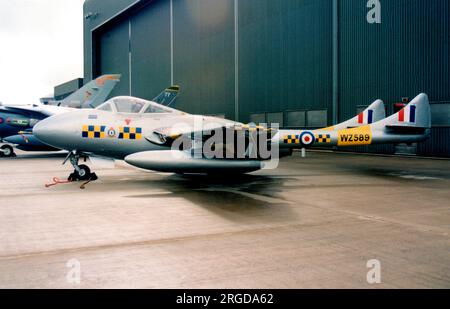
pixel 300 63
pixel 62 91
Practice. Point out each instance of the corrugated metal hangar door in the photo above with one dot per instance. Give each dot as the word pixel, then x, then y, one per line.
pixel 138 47
pixel 204 60
pixel 150 50
pixel 112 55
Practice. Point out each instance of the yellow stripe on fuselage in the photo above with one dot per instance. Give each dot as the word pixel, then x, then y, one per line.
pixel 327 129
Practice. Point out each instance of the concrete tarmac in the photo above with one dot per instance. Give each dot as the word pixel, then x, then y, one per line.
pixel 312 223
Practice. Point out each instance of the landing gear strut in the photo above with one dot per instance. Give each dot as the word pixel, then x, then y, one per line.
pixel 81 172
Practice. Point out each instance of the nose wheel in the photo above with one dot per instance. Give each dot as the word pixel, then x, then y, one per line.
pixel 81 172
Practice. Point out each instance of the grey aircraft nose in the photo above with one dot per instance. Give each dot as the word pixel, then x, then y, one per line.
pixel 60 131
pixel 47 131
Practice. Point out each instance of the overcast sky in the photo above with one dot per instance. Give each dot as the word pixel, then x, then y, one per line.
pixel 41 45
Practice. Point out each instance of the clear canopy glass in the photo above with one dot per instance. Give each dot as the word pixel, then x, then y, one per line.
pixel 132 105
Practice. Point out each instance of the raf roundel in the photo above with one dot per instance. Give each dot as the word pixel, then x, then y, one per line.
pixel 111 132
pixel 307 138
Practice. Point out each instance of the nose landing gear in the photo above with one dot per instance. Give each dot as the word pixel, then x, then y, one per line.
pixel 81 172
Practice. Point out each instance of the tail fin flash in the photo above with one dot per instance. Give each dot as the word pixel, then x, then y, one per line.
pixel 374 113
pixel 415 115
pixel 168 96
pixel 93 93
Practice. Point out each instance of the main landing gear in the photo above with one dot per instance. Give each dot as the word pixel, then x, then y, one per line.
pixel 81 172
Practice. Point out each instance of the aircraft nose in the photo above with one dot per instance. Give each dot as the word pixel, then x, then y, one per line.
pixel 46 130
pixel 62 131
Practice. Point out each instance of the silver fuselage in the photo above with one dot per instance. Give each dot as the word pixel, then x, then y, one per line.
pixel 66 131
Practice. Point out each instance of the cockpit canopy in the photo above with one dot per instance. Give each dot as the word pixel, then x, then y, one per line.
pixel 131 105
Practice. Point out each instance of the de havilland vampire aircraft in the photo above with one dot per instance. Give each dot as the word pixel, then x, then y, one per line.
pixel 147 135
pixel 16 122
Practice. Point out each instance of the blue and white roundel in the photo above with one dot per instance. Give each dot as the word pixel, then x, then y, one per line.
pixel 307 138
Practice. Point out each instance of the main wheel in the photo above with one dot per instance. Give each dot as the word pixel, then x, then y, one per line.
pixel 84 173
pixel 7 151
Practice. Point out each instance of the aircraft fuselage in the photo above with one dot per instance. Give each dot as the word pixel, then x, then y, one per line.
pixel 113 135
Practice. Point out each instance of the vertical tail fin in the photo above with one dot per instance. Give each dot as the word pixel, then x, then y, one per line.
pixel 93 93
pixel 374 113
pixel 168 96
pixel 416 114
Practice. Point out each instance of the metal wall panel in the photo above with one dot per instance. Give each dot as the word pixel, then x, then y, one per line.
pixel 316 119
pixel 204 55
pixel 440 114
pixel 408 53
pixel 102 11
pixel 296 119
pixel 258 118
pixel 63 90
pixel 284 55
pixel 275 118
pixel 150 50
pixel 113 56
pixel 437 145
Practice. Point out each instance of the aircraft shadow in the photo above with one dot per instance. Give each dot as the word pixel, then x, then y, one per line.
pixel 237 198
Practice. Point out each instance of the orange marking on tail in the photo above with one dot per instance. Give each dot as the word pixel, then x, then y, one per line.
pixel 101 80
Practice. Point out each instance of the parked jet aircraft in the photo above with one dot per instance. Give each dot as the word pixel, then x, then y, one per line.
pixel 146 135
pixel 21 119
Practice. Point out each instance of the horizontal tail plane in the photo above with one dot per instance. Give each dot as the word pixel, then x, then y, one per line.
pixel 412 124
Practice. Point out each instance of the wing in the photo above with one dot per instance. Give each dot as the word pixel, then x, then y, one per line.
pixel 167 135
pixel 28 111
